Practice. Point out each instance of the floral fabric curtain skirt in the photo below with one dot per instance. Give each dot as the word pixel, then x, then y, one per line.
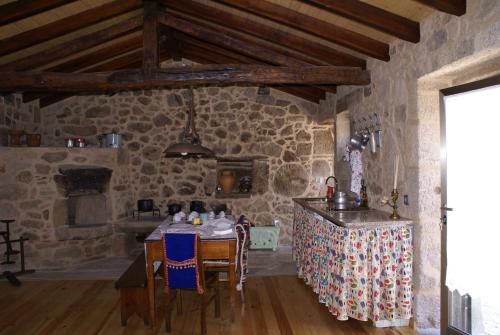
pixel 358 273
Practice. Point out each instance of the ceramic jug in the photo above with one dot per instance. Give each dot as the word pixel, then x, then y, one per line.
pixel 226 180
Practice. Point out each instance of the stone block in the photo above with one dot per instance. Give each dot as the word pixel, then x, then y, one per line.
pixel 53 157
pixel 291 180
pixel 98 112
pixel 323 142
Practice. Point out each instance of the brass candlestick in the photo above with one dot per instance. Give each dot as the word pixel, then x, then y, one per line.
pixel 393 203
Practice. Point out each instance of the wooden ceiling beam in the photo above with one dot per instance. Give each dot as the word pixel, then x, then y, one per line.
pixel 150 34
pixel 132 60
pixel 177 77
pixel 244 47
pixel 265 32
pixel 238 57
pixel 90 59
pixel 453 7
pixel 228 42
pixel 18 10
pixel 372 17
pixel 232 57
pixel 204 56
pixel 122 62
pixel 74 46
pixel 311 25
pixel 67 25
pixel 171 44
pixel 246 39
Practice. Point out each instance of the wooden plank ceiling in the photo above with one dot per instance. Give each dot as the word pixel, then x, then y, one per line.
pixel 302 47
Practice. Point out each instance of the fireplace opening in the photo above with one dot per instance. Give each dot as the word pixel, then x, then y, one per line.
pixel 87 210
pixel 86 190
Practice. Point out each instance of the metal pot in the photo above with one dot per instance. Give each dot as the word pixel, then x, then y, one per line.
pixel 174 209
pixel 79 142
pixel 111 140
pixel 358 142
pixel 145 205
pixel 343 200
pixel 69 142
pixel 197 206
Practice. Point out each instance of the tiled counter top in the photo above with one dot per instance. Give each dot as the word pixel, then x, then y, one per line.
pixel 362 218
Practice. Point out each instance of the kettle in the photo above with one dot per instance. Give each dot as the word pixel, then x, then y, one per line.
pixel 330 190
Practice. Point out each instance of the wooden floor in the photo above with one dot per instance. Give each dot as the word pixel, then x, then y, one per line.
pixel 274 305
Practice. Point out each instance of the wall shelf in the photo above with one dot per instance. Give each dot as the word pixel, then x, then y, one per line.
pixel 232 195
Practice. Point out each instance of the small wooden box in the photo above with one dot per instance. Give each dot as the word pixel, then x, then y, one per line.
pixel 264 237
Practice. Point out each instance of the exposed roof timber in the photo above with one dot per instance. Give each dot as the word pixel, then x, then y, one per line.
pixel 454 7
pixel 18 10
pixel 210 52
pixel 309 24
pixel 67 25
pixel 171 44
pixel 243 47
pixel 96 57
pixel 176 77
pixel 211 49
pixel 204 56
pixel 128 61
pixel 373 17
pixel 262 31
pixel 74 46
pixel 150 35
pixel 247 39
pixel 228 42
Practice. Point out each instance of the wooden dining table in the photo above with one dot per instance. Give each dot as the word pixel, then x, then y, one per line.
pixel 213 247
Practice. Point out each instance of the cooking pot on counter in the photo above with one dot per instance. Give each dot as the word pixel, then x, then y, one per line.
pixel 197 206
pixel 145 205
pixel 174 209
pixel 111 140
pixel 344 200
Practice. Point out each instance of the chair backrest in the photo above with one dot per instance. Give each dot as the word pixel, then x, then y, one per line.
pixel 182 262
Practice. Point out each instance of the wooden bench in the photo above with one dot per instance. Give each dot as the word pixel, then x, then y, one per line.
pixel 133 291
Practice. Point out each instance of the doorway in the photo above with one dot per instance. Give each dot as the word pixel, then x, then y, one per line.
pixel 470 128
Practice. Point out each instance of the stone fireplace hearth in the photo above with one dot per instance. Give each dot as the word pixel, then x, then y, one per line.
pixel 86 188
pixel 66 201
pixel 85 211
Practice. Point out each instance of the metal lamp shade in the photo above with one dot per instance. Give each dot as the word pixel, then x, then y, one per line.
pixel 190 143
pixel 188 150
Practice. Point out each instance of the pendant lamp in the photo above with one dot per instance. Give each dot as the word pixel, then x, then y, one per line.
pixel 190 142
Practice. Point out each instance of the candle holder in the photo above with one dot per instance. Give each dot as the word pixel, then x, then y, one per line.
pixel 393 203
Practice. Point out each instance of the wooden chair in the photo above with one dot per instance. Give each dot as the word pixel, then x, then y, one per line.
pixel 189 267
pixel 215 265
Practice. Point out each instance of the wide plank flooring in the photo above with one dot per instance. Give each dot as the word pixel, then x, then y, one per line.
pixel 273 305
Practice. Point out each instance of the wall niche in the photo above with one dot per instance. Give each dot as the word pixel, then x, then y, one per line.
pixel 234 178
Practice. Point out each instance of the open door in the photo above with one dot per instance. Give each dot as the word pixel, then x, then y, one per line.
pixel 470 128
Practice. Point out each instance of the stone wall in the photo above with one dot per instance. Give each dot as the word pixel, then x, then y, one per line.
pixel 29 194
pixel 290 139
pixel 411 129
pixel 18 115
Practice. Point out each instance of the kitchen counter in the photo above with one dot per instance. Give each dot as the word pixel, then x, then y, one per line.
pixel 354 218
pixel 359 262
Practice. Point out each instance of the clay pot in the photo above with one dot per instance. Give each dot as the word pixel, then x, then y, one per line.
pixel 226 180
pixel 15 137
pixel 33 140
